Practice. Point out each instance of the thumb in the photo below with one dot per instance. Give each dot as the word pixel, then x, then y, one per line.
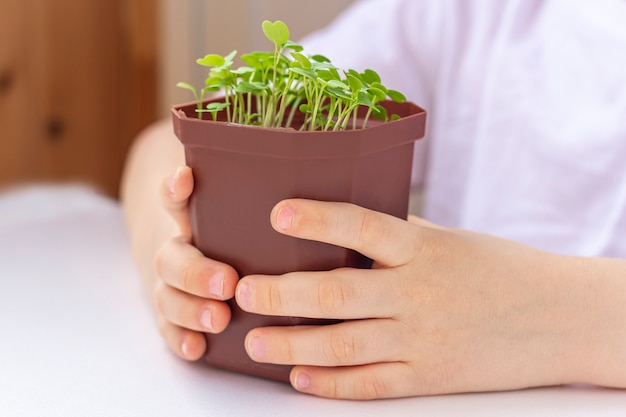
pixel 174 196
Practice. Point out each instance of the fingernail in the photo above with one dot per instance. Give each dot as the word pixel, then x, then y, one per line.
pixel 244 296
pixel 302 381
pixel 205 319
pixel 171 181
pixel 185 348
pixel 257 348
pixel 284 219
pixel 170 184
pixel 216 285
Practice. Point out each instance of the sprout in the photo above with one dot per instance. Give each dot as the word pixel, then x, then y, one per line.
pixel 275 85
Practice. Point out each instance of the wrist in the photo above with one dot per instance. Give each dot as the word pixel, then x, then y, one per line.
pixel 595 335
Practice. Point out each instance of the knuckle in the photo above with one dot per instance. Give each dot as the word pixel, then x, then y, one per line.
pixel 164 258
pixel 273 299
pixel 187 277
pixel 329 386
pixel 341 347
pixel 175 268
pixel 431 245
pixel 158 295
pixel 160 258
pixel 326 221
pixel 370 227
pixel 331 295
pixel 288 351
pixel 370 386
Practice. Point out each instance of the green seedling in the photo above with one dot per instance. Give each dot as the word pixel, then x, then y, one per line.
pixel 273 87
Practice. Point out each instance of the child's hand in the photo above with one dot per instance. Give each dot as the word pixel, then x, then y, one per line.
pixel 441 311
pixel 189 285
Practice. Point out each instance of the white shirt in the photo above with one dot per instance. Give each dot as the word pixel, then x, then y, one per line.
pixel 527 111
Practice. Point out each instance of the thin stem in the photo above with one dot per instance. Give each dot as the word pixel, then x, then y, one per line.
pixel 367 116
pixel 292 111
pixel 334 103
pixel 283 101
pixel 227 101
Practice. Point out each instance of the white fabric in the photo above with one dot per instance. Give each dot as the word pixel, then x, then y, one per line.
pixel 527 110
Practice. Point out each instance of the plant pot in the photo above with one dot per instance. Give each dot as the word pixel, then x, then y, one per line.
pixel 241 172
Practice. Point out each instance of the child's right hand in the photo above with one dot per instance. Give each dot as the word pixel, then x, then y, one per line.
pixel 190 288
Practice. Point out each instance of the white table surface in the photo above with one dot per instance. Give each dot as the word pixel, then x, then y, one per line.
pixel 78 337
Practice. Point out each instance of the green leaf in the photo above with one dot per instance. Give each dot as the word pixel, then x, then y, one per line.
pixel 335 73
pixel 337 84
pixel 396 96
pixel 216 106
pixel 379 86
pixel 304 72
pixel 378 95
pixel 187 86
pixel 370 76
pixel 211 60
pixel 243 71
pixel 293 46
pixel 328 75
pixel 355 74
pixel 252 59
pixel 295 64
pixel 215 81
pixel 302 60
pixel 395 117
pixel 277 32
pixel 320 58
pixel 326 66
pixel 380 113
pixel 355 83
pixel 229 58
pixel 210 89
pixel 246 87
pixel 338 93
pixel 365 100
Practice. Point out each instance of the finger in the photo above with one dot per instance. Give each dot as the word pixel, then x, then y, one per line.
pixel 386 239
pixel 379 380
pixel 343 293
pixel 185 343
pixel 191 312
pixel 175 192
pixel 423 223
pixel 345 344
pixel 183 266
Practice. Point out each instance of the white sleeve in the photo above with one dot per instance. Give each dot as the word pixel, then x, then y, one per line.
pixel 399 39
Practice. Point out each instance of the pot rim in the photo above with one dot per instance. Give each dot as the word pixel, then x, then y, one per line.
pixel 274 142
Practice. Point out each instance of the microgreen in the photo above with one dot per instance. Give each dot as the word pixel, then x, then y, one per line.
pixel 273 87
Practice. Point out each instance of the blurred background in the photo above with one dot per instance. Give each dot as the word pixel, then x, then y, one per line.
pixel 80 79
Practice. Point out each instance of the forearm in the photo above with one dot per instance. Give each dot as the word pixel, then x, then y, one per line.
pixel 155 154
pixel 599 293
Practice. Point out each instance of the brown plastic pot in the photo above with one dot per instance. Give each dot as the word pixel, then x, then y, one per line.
pixel 241 172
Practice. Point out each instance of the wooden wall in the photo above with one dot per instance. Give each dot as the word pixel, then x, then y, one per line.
pixel 78 80
pixel 193 28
